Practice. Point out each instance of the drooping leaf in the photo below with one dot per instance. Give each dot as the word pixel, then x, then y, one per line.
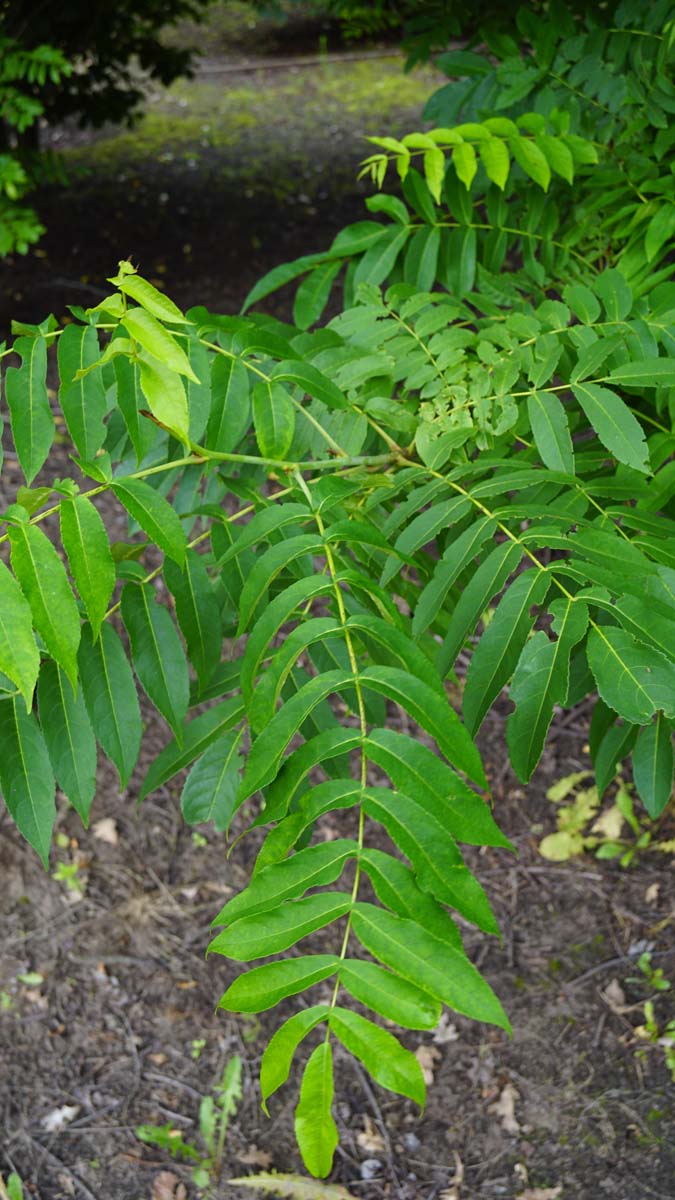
pixel 210 790
pixel 426 961
pixel 487 580
pixel 26 778
pixel 618 430
pixel 315 1130
pixel 69 738
pixel 278 1054
pixel 550 430
pixel 19 655
pixel 634 679
pixel 154 515
pixel 30 414
pixel 381 1053
pixel 165 393
pixel 85 541
pixel 110 697
pixel 653 765
pixel 273 419
pixel 45 585
pixel 196 736
pixel 157 653
pixel 144 328
pixel 82 400
pixel 230 404
pixel 198 613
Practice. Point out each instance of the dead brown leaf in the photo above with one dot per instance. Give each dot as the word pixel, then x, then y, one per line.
pixel 540 1193
pixel 505 1109
pixel 167 1186
pixel 106 831
pixel 370 1139
pixel 427 1057
pixel 253 1157
pixel 615 997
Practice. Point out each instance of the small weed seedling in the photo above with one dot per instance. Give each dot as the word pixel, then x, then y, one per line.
pixel 12 1189
pixel 214 1115
pixel 653 1031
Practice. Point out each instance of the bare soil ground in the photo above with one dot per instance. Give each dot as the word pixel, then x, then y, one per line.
pixel 105 995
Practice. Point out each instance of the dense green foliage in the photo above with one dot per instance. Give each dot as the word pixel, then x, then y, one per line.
pixel 487 421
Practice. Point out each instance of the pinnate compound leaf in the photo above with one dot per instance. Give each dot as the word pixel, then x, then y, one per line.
pixel 653 765
pixel 157 653
pixel 30 415
pixel 550 429
pixel 278 1055
pixel 85 541
pixel 273 419
pixel 196 736
pixel 634 679
pixel 82 400
pixel 210 791
pixel 44 582
pixel 381 1053
pixel 311 867
pixel 541 680
pixel 69 738
pixel 263 987
pixel 388 994
pixel 426 961
pixel 155 516
pixel 26 778
pixel 19 655
pixel 110 697
pixel 618 430
pixel 496 655
pixel 315 1130
pixel 278 928
pixel 198 613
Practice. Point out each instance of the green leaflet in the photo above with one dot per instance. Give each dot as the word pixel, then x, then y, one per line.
pixel 381 1053
pixel 225 679
pixel 378 261
pixel 230 413
pixel 531 158
pixel 653 765
pixel 150 298
pixel 262 525
pixel 541 681
pixel 276 929
pixel 647 372
pixel 312 296
pixel 82 401
pixel 486 582
pixel 423 529
pixel 131 403
pixel 614 424
pixel 273 419
pixel 196 736
pixel 198 613
pixel 634 679
pixel 157 653
pixel 45 585
pixel 389 995
pixel 286 880
pixel 110 696
pixel 283 274
pixel 496 655
pixel 19 655
pixel 85 541
pixel 268 748
pixel 311 381
pixel 416 771
pixel 458 555
pixel 391 643
pixel 550 429
pixel 426 961
pixel 144 328
pixel 330 743
pixel 210 791
pixel 266 570
pixel 278 1054
pixel 30 415
pixel 264 699
pixel 395 886
pixel 265 986
pixel 315 1130
pixel 438 865
pixel 277 612
pixel 154 515
pixel 165 393
pixel 69 738
pixel 26 778
pixel 434 714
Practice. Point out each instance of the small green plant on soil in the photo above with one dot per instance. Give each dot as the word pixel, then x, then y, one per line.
pixel 468 474
pixel 214 1116
pixel 659 1033
pixel 12 1188
pixel 616 831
